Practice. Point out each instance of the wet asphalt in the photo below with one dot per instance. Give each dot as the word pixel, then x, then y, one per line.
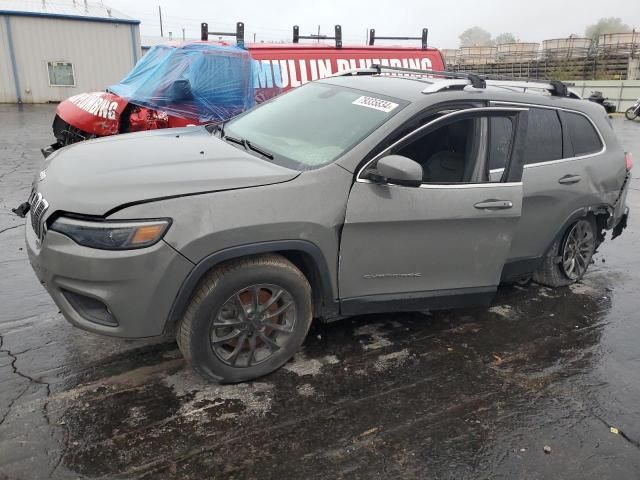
pixel 473 393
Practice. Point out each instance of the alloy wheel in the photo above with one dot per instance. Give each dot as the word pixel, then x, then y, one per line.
pixel 577 250
pixel 252 325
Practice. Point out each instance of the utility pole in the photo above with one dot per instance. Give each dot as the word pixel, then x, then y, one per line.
pixel 254 38
pixel 183 36
pixel 318 33
pixel 160 13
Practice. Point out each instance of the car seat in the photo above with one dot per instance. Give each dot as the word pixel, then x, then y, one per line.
pixel 448 165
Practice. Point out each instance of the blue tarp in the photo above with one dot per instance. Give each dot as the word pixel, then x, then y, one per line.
pixel 208 82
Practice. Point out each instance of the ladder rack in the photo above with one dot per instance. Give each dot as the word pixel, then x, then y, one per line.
pixel 239 33
pixel 337 36
pixel 422 38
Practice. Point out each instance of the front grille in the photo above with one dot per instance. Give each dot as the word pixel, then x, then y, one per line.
pixel 38 208
pixel 74 135
pixel 66 134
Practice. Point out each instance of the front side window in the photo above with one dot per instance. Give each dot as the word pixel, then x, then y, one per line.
pixel 584 138
pixel 61 74
pixel 461 151
pixel 447 154
pixel 313 125
pixel 544 136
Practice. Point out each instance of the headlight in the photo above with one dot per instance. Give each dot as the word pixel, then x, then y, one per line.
pixel 109 235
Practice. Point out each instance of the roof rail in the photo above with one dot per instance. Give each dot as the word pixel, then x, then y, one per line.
pixel 239 33
pixel 443 80
pixel 554 87
pixel 423 38
pixel 337 36
pixel 475 79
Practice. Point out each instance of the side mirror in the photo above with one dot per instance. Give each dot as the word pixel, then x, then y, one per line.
pixel 399 170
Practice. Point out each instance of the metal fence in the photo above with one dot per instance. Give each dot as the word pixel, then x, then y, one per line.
pixel 593 67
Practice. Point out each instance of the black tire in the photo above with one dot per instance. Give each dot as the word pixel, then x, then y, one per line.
pixel 552 272
pixel 630 114
pixel 197 329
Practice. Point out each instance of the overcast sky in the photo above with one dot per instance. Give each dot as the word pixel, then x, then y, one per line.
pixel 532 21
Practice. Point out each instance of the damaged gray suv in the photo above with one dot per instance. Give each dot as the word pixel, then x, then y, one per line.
pixel 374 191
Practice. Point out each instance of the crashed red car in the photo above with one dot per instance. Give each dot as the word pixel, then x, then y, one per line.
pixel 200 82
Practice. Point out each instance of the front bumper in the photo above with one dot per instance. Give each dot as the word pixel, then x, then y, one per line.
pixel 137 287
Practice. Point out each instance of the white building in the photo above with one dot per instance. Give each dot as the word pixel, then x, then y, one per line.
pixel 52 49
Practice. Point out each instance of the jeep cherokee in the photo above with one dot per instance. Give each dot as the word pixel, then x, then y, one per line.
pixel 374 191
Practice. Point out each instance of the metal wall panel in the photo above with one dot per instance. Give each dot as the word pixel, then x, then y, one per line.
pixel 623 93
pixel 7 84
pixel 101 54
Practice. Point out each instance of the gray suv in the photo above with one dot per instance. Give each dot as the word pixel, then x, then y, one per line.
pixel 374 191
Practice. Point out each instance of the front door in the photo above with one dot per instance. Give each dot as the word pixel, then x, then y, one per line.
pixel 412 247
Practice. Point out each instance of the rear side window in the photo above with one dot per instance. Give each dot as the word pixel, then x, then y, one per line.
pixel 500 133
pixel 584 137
pixel 544 136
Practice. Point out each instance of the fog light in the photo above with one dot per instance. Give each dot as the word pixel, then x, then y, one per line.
pixel 90 308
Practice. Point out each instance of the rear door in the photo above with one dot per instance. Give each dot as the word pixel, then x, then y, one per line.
pixel 556 184
pixel 412 247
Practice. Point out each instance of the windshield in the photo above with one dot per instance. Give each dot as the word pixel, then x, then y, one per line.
pixel 313 125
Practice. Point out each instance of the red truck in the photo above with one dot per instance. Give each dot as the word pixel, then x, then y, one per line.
pixel 199 82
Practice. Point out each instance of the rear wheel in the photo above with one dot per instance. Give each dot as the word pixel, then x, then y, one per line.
pixel 630 113
pixel 569 257
pixel 246 319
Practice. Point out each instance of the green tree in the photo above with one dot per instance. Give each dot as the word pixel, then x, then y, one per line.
pixel 506 37
pixel 606 25
pixel 475 36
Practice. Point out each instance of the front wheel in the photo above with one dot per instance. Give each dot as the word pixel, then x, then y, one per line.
pixel 631 113
pixel 246 319
pixel 569 257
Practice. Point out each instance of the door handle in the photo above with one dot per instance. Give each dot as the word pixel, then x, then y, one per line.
pixel 569 179
pixel 493 205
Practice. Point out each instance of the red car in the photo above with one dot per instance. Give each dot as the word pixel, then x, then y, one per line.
pixel 200 82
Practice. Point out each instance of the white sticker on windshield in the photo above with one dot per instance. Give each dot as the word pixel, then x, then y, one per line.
pixel 375 103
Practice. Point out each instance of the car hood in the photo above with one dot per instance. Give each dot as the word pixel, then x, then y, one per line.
pixel 97 176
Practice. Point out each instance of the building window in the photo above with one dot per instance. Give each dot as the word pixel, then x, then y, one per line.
pixel 61 74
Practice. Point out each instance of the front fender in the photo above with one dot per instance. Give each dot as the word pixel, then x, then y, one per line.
pixel 329 304
pixel 306 210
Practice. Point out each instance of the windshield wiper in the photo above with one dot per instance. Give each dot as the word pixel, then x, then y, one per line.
pixel 239 141
pixel 248 145
pixel 264 153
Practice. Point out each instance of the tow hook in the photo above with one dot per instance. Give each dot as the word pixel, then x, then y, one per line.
pixel 47 151
pixel 22 209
